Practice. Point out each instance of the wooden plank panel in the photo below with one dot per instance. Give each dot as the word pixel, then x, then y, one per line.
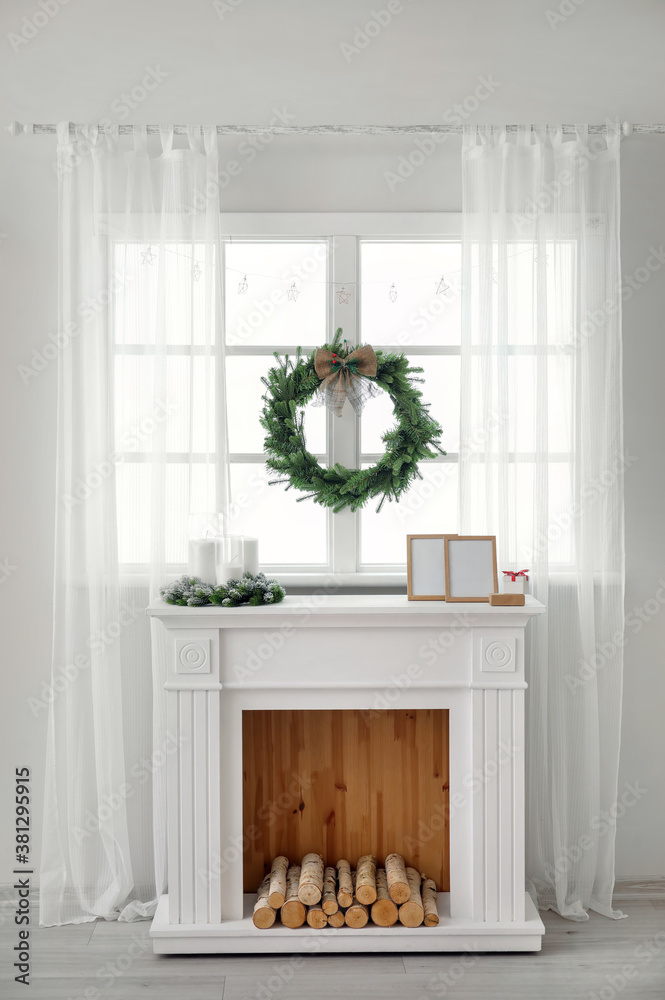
pixel 344 784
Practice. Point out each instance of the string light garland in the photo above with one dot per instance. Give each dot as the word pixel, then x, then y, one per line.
pixel 343 293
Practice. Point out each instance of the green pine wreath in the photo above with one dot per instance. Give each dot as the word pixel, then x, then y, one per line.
pixel 292 384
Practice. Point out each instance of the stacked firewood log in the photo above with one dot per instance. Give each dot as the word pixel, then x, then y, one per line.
pixel 327 896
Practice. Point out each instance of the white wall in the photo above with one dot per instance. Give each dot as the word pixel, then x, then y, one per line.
pixel 605 60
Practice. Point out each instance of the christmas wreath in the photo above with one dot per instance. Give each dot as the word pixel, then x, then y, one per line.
pixel 333 373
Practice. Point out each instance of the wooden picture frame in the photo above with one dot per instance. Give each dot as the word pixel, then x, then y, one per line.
pixel 470 568
pixel 425 567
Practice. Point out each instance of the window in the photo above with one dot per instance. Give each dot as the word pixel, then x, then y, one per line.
pixel 289 281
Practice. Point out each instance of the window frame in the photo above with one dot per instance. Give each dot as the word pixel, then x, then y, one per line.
pixel 344 232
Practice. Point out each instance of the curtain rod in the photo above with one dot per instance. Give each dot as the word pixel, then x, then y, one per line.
pixel 20 128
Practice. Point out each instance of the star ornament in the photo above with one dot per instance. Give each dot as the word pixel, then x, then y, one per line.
pixel 343 296
pixel 148 255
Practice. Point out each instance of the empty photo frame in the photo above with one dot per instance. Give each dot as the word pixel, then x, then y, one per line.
pixel 470 567
pixel 425 567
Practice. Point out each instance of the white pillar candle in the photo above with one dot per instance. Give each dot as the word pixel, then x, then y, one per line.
pixel 202 558
pixel 229 559
pixel 251 555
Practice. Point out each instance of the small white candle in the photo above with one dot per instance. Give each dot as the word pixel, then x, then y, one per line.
pixel 251 555
pixel 202 559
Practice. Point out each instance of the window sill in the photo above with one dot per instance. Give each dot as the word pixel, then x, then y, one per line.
pixel 329 582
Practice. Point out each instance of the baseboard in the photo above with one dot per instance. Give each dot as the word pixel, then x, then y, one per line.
pixel 639 888
pixel 625 889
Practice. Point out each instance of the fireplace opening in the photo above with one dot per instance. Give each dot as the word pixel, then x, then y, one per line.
pixel 345 783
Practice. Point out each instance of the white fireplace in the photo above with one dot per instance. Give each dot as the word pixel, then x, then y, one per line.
pixel 346 653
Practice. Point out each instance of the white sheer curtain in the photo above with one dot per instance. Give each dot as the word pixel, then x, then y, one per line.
pixel 541 467
pixel 141 444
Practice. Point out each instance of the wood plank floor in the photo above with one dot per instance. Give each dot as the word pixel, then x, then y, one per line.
pixel 600 959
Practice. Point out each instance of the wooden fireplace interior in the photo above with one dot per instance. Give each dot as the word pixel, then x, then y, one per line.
pixel 345 783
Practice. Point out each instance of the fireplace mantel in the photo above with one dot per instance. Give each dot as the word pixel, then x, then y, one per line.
pixel 369 651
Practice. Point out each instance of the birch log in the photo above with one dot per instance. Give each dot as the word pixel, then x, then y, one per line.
pixel 336 919
pixel 293 912
pixel 398 884
pixel 329 899
pixel 366 879
pixel 264 914
pixel 345 885
pixel 357 914
pixel 411 912
pixel 316 917
pixel 384 911
pixel 311 880
pixel 428 892
pixel 277 890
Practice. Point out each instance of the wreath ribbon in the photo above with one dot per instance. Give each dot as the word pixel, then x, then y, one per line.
pixel 346 378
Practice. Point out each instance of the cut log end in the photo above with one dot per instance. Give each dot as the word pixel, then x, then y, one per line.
pixel 316 917
pixel 384 912
pixel 411 914
pixel 264 915
pixel 293 913
pixel 357 915
pixel 336 919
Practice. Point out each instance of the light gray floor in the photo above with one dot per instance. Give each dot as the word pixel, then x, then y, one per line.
pixel 600 959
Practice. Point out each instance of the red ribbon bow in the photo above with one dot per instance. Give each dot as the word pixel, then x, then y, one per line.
pixel 513 574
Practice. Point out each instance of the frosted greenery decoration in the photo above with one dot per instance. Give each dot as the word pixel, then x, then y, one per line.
pixel 192 592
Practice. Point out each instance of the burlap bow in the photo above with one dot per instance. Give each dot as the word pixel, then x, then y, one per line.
pixel 345 378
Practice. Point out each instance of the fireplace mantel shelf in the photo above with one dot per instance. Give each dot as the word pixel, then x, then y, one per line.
pixel 370 652
pixel 393 609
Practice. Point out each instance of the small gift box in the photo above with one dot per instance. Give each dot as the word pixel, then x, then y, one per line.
pixel 515 581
